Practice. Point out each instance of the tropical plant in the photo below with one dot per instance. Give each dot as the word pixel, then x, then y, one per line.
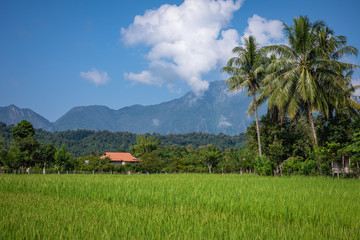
pixel 247 70
pixel 307 76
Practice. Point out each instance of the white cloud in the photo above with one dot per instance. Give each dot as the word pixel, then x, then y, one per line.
pixel 96 77
pixel 186 41
pixel 223 122
pixel 265 31
pixel 143 77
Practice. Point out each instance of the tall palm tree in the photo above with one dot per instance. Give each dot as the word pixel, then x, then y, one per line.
pixel 247 70
pixel 307 73
pixel 332 48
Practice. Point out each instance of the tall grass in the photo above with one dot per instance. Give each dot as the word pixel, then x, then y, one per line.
pixel 186 206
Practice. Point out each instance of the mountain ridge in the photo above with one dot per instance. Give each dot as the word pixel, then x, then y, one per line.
pixel 216 111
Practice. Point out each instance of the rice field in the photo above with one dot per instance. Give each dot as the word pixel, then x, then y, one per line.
pixel 178 206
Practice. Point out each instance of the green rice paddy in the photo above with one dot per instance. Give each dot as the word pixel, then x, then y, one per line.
pixel 178 206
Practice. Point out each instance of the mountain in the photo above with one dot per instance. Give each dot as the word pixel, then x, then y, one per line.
pixel 216 111
pixel 12 115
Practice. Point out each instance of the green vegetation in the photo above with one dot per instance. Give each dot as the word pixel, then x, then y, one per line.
pixel 248 69
pixel 86 142
pixel 182 206
pixel 304 77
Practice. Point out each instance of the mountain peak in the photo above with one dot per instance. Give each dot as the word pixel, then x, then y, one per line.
pixel 13 114
pixel 215 111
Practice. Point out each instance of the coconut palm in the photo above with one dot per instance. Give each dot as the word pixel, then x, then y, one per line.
pixel 307 75
pixel 247 70
pixel 333 48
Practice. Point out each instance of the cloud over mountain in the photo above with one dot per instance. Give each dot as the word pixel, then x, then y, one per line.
pixel 188 40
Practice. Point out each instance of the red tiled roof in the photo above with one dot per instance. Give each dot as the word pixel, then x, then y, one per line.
pixel 120 157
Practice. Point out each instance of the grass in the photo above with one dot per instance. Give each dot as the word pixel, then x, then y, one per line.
pixel 185 206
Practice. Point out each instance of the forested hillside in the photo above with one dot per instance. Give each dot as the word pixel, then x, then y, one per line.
pixel 87 142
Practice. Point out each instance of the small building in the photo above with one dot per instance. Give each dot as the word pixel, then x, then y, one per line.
pixel 120 158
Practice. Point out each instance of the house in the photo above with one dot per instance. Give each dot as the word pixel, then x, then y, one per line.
pixel 120 158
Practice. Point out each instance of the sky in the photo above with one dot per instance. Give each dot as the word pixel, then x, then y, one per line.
pixel 55 55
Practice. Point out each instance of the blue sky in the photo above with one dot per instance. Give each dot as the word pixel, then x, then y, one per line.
pixel 55 55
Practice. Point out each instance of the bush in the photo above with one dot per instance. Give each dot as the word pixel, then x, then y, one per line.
pixel 263 166
pixel 292 165
pixel 309 167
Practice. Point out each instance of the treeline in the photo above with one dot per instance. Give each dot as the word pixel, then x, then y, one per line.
pixel 22 148
pixel 86 142
pixel 288 149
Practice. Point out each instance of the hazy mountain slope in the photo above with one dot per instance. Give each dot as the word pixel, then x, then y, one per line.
pixel 89 117
pixel 12 115
pixel 216 111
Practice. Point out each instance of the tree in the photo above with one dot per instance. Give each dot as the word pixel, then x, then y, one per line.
pixel 47 154
pixel 144 145
pixel 22 130
pixel 306 78
pixel 14 158
pixel 211 156
pixel 150 162
pixel 62 159
pixel 247 70
pixel 3 152
pixel 354 149
pixel 23 135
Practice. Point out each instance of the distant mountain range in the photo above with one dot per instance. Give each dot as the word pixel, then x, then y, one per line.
pixel 216 111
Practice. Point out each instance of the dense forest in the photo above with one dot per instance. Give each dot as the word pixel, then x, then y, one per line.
pixel 312 121
pixel 86 142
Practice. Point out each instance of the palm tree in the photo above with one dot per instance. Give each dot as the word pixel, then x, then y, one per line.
pixel 307 76
pixel 333 48
pixel 247 70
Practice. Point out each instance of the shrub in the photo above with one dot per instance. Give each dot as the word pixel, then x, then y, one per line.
pixel 263 166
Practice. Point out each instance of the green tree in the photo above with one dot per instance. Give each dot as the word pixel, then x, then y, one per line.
pixel 354 150
pixel 63 159
pixel 211 156
pixel 306 77
pixel 47 154
pixel 23 135
pixel 14 158
pixel 248 70
pixel 144 145
pixel 3 152
pixel 151 162
pixel 22 130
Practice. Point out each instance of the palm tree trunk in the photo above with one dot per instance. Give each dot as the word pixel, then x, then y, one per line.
pixel 256 121
pixel 311 120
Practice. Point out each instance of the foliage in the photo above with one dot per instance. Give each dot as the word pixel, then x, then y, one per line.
pixel 247 70
pixel 63 159
pixel 145 145
pixel 210 156
pixel 263 166
pixel 307 77
pixel 23 130
pixel 354 150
